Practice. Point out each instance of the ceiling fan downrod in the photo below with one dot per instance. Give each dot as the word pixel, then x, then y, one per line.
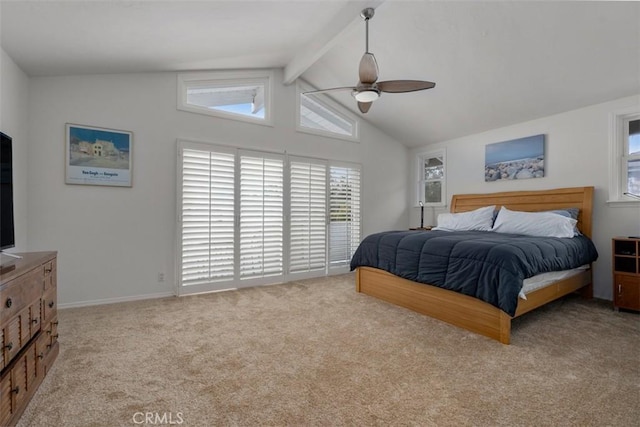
pixel 366 15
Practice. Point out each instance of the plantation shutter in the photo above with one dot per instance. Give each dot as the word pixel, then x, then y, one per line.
pixel 308 213
pixel 261 215
pixel 247 218
pixel 207 213
pixel 344 214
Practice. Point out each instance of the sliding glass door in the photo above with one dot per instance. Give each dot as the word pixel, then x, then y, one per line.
pixel 248 218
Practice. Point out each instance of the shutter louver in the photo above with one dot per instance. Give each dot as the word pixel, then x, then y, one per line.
pixel 308 225
pixel 207 217
pixel 261 217
pixel 344 214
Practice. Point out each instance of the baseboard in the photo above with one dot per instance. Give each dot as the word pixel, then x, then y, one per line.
pixel 114 300
pixel 62 306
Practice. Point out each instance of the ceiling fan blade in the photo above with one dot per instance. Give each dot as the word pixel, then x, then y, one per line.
pixel 364 106
pixel 399 86
pixel 368 69
pixel 333 89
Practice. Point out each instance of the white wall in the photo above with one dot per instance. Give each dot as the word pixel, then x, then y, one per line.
pixel 14 94
pixel 113 242
pixel 577 152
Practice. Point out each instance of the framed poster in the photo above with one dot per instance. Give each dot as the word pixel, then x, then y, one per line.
pixel 521 158
pixel 98 156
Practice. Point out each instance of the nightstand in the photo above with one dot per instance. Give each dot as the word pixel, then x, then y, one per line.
pixel 626 273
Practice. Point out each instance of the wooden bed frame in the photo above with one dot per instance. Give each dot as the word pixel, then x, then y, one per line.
pixel 470 313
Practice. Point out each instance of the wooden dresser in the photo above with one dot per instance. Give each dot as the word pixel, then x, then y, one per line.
pixel 28 329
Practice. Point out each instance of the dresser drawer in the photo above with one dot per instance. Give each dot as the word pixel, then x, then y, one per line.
pixel 5 399
pixel 49 305
pixel 19 380
pixel 48 337
pixel 49 272
pixel 34 316
pixel 19 293
pixel 46 350
pixel 43 347
pixel 11 345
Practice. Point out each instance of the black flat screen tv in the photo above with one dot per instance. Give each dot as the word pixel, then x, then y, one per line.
pixel 7 233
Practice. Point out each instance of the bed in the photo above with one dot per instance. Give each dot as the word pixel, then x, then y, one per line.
pixel 471 313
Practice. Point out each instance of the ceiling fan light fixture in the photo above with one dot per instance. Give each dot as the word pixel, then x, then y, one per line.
pixel 369 95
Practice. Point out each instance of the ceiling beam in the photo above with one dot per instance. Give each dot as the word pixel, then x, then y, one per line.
pixel 348 18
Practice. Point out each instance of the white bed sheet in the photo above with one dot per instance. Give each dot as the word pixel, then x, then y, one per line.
pixel 541 280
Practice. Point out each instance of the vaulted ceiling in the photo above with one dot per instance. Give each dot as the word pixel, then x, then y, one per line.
pixel 495 63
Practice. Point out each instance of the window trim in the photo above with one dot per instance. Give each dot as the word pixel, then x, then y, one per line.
pixel 419 177
pixel 333 106
pixel 617 157
pixel 265 77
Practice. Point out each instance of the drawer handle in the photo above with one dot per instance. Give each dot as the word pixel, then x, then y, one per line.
pixel 48 345
pixel 55 323
pixel 8 303
pixel 34 321
pixel 16 390
pixel 41 355
pixel 51 304
pixel 9 346
pixel 55 337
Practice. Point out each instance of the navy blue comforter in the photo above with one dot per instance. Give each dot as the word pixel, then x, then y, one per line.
pixel 486 265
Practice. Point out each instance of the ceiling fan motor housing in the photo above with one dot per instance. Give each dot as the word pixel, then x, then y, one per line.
pixel 367 13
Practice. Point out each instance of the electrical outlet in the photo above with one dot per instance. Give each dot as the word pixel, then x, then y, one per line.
pixel 160 277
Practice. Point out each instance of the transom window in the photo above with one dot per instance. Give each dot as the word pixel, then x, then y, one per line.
pixel 242 95
pixel 318 114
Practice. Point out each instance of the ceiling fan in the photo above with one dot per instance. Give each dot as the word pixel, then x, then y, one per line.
pixel 368 88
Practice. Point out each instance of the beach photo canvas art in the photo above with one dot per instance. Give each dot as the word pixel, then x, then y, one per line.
pixel 521 158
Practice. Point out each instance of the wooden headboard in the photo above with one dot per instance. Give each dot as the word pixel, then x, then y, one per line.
pixel 533 201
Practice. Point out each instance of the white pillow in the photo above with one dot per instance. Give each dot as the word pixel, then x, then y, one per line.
pixel 543 224
pixel 479 219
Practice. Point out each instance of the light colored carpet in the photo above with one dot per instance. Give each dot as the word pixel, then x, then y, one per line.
pixel 315 352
